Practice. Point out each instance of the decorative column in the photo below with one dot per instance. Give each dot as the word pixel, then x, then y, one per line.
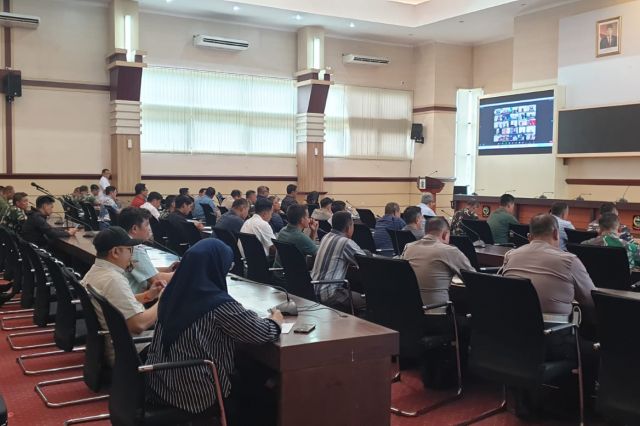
pixel 313 88
pixel 125 65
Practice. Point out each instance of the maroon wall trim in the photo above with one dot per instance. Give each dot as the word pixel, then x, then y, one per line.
pixel 619 182
pixel 65 85
pixel 221 178
pixel 369 179
pixel 435 108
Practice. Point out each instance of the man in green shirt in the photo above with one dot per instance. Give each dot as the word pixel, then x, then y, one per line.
pixel 500 219
pixel 298 218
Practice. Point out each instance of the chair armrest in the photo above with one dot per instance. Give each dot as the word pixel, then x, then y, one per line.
pixel 323 282
pixel 435 306
pixel 142 339
pixel 558 327
pixel 505 245
pixel 75 302
pixel 276 269
pixel 596 346
pixel 147 368
pixel 384 250
pixel 103 332
pixel 489 270
pixel 635 286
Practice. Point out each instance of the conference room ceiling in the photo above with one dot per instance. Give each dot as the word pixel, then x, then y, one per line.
pixel 408 22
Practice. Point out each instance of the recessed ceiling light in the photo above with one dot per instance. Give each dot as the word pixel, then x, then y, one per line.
pixel 352 25
pixel 169 1
pixel 298 17
pixel 236 8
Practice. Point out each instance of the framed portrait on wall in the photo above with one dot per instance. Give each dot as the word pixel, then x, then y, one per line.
pixel 608 33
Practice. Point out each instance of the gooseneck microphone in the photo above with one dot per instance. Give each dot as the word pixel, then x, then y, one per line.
pixel 287 308
pixel 513 233
pixel 580 196
pixel 623 200
pixel 163 247
pixel 477 243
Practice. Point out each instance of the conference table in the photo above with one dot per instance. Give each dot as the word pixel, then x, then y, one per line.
pixel 491 255
pixel 339 374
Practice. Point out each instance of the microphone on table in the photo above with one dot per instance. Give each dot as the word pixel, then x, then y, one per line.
pixel 287 308
pixel 511 190
pixel 623 200
pixel 88 232
pixel 513 233
pixel 475 193
pixel 477 243
pixel 544 196
pixel 580 197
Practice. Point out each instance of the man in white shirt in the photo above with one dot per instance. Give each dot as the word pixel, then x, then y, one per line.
pixel 154 199
pixel 109 200
pixel 560 211
pixel 105 179
pixel 259 226
pixel 427 205
pixel 114 249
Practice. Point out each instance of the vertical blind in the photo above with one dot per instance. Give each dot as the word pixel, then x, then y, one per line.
pixel 366 122
pixel 189 111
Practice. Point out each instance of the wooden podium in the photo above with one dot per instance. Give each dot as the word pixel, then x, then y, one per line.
pixel 430 184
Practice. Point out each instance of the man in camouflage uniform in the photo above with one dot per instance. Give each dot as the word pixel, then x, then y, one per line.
pixel 18 212
pixel 468 213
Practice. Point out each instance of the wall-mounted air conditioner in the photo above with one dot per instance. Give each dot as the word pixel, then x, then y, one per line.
pixel 352 58
pixel 223 43
pixel 15 20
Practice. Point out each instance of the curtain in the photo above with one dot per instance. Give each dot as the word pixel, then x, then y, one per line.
pixel 189 111
pixel 467 107
pixel 365 122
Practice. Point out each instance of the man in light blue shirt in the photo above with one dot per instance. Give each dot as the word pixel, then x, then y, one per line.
pixel 207 198
pixel 560 211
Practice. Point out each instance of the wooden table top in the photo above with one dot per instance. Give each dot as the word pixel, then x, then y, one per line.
pixel 492 250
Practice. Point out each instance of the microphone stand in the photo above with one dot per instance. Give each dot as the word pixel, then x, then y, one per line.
pixel 477 243
pixel 89 233
pixel 287 308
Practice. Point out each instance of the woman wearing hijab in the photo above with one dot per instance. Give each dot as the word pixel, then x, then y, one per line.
pixel 198 319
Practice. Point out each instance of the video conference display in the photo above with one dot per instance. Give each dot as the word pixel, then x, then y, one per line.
pixel 517 124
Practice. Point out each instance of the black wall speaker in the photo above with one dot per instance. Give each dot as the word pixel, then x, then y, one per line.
pixel 12 85
pixel 416 133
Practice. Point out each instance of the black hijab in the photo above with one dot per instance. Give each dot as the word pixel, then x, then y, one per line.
pixel 197 287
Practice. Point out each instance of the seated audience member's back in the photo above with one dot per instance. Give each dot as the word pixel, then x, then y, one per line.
pixel 435 262
pixel 390 220
pixel 415 221
pixel 501 218
pixel 298 218
pixel 560 210
pixel 559 277
pixel 37 230
pixel 609 225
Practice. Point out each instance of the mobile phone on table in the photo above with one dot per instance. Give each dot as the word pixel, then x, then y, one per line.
pixel 304 328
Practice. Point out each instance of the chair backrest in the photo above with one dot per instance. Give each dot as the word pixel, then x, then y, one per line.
pixel 90 216
pixel 464 244
pixel 229 239
pixel 191 234
pixel 480 227
pixel 576 237
pixel 159 233
pixel 126 396
pixel 399 239
pixel 178 236
pixel 113 215
pixel 95 364
pixel 363 237
pixel 209 215
pixel 324 225
pixel 24 274
pixel 393 299
pixel 65 329
pixel 223 210
pixel 619 340
pixel 296 274
pixel 367 217
pixel 520 233
pixel 608 267
pixel 42 308
pixel 507 339
pixel 257 262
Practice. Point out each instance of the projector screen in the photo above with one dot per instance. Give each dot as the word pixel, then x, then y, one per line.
pixel 516 124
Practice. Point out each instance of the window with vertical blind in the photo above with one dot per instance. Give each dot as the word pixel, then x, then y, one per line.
pixel 366 122
pixel 467 107
pixel 189 111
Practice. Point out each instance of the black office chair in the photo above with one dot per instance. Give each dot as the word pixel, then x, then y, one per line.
pixel 394 301
pixel 113 215
pixel 508 337
pixel 229 239
pixel 324 225
pixel 209 215
pixel 478 228
pixel 257 262
pixel 576 237
pixel 367 217
pixel 159 233
pixel 13 267
pixel 223 210
pixel 363 237
pixel 70 330
pixel 464 244
pixel 297 278
pixel 608 267
pixel 619 345
pixel 90 216
pixel 399 239
pixel 518 234
pixel 181 236
pixel 127 405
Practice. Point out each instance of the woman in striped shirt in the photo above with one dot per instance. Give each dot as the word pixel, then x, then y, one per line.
pixel 198 319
